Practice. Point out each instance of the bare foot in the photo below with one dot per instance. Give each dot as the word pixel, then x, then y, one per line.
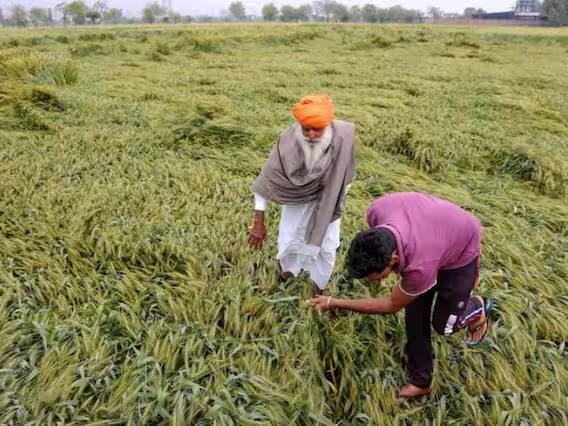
pixel 285 276
pixel 410 391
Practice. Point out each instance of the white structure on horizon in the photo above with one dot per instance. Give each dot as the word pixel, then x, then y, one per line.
pixel 527 8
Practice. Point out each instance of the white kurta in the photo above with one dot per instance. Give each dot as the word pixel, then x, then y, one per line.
pixel 294 254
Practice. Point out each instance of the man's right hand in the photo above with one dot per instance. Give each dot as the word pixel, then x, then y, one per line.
pixel 258 231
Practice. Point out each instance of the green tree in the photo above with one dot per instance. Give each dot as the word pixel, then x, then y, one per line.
pixel 400 14
pixel 101 7
pixel 340 12
pixel 287 13
pixel 62 9
pixel 237 11
pixel 270 12
pixel 113 16
pixel 557 11
pixel 325 8
pixel 77 10
pixel 175 17
pixel 19 15
pixel 93 16
pixel 38 16
pixel 151 11
pixel 294 14
pixel 355 14
pixel 304 12
pixel 469 12
pixel 435 12
pixel 370 13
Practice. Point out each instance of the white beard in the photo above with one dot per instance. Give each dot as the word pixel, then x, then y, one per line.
pixel 313 150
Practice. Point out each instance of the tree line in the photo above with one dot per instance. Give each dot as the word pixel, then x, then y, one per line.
pixel 76 12
pixel 79 13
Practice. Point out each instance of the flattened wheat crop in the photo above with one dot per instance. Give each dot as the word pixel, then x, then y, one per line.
pixel 128 294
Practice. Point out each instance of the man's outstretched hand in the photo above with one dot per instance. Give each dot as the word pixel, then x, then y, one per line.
pixel 323 303
pixel 381 305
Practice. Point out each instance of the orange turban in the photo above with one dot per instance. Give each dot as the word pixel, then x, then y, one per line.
pixel 314 111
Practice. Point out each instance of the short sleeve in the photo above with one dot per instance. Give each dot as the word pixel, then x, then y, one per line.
pixel 372 213
pixel 419 280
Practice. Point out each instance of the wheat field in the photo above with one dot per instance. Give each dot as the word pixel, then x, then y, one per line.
pixel 128 294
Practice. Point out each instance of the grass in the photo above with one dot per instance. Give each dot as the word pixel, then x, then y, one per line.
pixel 128 294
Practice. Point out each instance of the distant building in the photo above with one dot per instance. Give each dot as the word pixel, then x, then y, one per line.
pixel 527 7
pixel 525 10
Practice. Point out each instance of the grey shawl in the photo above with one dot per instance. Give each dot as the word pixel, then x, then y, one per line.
pixel 286 180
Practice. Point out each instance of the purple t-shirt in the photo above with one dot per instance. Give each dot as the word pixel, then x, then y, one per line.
pixel 431 234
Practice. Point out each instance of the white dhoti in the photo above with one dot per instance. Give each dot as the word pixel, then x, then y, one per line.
pixel 295 255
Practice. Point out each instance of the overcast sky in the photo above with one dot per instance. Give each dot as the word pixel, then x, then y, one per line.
pixel 213 7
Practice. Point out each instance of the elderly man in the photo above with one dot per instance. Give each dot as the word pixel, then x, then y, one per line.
pixel 308 173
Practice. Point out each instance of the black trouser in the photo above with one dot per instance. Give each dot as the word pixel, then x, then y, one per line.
pixel 452 312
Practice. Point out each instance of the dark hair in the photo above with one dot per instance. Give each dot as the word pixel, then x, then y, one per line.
pixel 370 252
